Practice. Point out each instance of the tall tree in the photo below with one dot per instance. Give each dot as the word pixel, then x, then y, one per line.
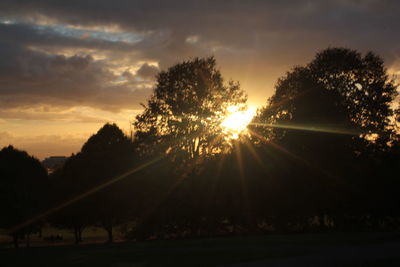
pixel 359 89
pixel 103 157
pixel 23 191
pixel 70 182
pixel 184 113
pixel 329 116
pixel 364 86
pixel 111 151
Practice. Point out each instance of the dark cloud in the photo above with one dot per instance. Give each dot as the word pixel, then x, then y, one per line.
pixel 147 72
pixel 254 42
pixel 209 17
pixel 29 77
pixel 33 35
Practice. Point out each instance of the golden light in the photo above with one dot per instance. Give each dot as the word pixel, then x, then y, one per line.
pixel 236 121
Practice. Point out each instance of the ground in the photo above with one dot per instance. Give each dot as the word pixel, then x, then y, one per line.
pixel 323 249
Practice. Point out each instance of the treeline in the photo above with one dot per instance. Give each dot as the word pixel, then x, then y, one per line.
pixel 321 155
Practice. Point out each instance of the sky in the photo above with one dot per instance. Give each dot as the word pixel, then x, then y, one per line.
pixel 68 67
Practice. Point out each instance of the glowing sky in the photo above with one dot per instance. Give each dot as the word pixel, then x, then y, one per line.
pixel 67 67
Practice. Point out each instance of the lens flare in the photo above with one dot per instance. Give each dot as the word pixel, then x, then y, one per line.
pixel 236 121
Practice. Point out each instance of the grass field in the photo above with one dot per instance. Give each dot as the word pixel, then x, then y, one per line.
pixel 326 249
pixel 90 235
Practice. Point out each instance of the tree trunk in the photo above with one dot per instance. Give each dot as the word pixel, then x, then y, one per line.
pixel 15 239
pixel 234 225
pixel 80 230
pixel 109 230
pixel 76 235
pixel 28 243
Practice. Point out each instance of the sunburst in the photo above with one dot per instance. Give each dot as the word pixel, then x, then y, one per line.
pixel 236 121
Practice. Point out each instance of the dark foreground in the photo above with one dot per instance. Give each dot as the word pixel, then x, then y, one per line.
pixel 328 249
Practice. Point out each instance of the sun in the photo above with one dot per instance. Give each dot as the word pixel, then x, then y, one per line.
pixel 236 121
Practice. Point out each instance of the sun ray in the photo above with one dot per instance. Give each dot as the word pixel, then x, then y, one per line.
pixel 253 152
pixel 280 148
pixel 243 180
pixel 344 131
pixel 146 215
pixel 311 166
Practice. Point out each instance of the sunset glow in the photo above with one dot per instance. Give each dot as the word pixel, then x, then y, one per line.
pixel 235 123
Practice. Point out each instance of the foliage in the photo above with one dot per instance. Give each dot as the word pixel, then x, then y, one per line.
pixel 23 190
pixel 354 95
pixel 103 157
pixel 184 113
pixel 333 117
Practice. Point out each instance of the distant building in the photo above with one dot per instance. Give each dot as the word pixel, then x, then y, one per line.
pixel 54 162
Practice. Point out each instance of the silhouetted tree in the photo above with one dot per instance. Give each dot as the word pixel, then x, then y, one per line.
pixel 23 192
pixel 329 116
pixel 70 182
pixel 184 113
pixel 364 86
pixel 112 152
pixel 360 86
pixel 182 121
pixel 104 156
pixel 339 101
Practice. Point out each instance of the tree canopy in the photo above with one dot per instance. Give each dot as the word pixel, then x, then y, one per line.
pixel 23 190
pixel 104 156
pixel 339 89
pixel 184 113
pixel 333 117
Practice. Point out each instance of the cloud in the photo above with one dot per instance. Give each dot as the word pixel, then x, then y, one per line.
pixel 43 114
pixel 254 42
pixel 147 72
pixel 29 78
pixel 60 36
